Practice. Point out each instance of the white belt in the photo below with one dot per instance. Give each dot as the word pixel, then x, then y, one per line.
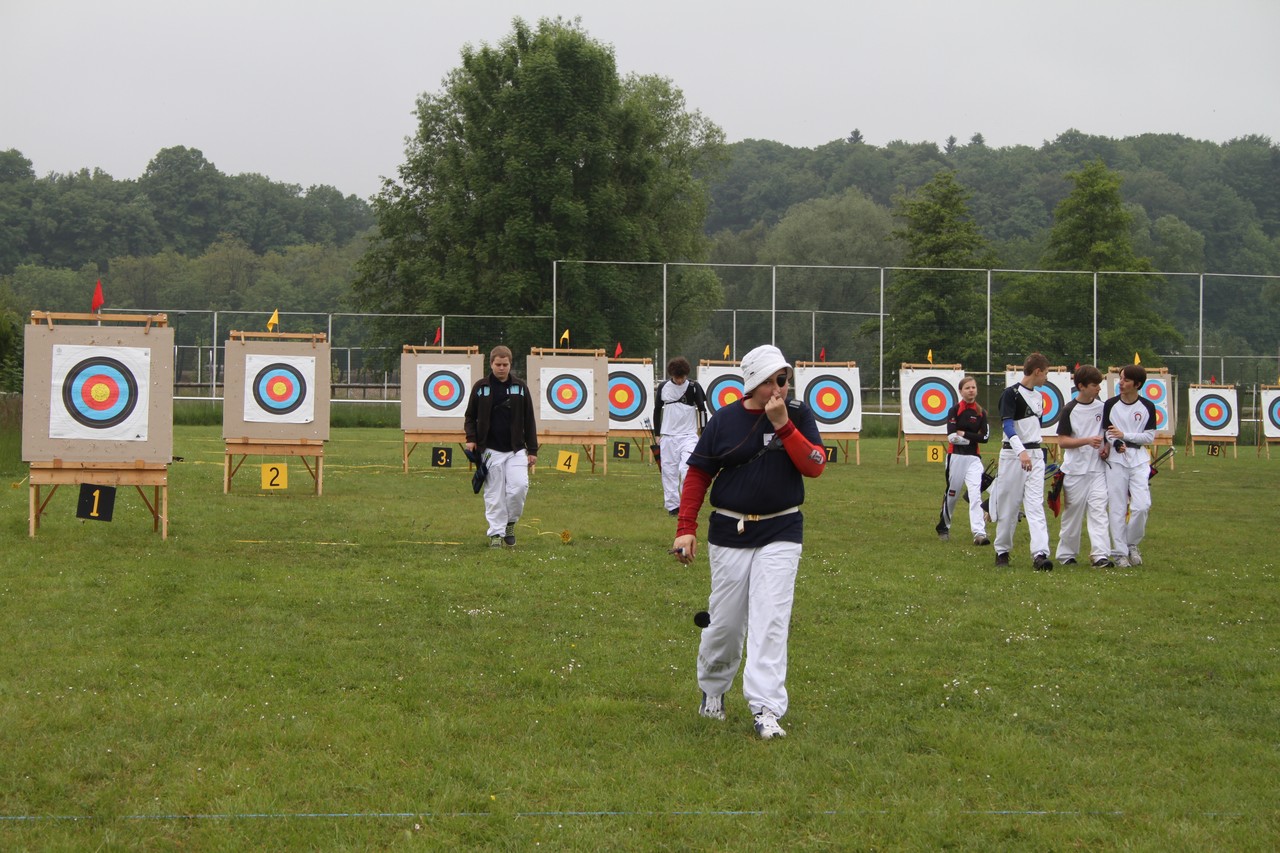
pixel 744 517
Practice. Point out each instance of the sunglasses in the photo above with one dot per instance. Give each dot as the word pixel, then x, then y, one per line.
pixel 781 379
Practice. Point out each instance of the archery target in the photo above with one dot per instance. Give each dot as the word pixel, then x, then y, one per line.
pixel 279 389
pixel 628 394
pixel 442 389
pixel 100 393
pixel 927 397
pixel 566 394
pixel 1156 389
pixel 723 386
pixel 834 395
pixel 1271 408
pixel 1213 412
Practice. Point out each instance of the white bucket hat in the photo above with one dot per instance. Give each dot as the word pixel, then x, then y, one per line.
pixel 760 364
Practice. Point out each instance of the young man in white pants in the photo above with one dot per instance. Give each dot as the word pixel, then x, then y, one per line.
pixel 1020 481
pixel 1084 478
pixel 758 450
pixel 679 412
pixel 1129 421
pixel 500 423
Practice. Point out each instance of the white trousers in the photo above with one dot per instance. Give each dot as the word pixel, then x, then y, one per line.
pixel 676 450
pixel 505 488
pixel 1128 493
pixel 1014 487
pixel 752 590
pixel 963 472
pixel 1084 495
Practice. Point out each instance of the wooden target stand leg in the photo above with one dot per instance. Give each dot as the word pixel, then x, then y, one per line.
pixel 101 474
pixel 593 445
pixel 1200 439
pixel 413 437
pixel 904 444
pixel 842 441
pixel 304 449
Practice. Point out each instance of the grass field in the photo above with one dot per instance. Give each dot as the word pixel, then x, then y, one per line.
pixel 358 671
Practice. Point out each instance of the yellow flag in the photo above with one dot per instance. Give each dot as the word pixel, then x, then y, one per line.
pixel 564 339
pixel 726 350
pixel 274 321
pixel 931 356
pixel 1137 359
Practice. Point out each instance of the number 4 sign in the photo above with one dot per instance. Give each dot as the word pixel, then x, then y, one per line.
pixel 567 461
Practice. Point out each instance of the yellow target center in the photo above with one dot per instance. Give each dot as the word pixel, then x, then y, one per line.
pixel 827 398
pixel 100 393
pixel 279 389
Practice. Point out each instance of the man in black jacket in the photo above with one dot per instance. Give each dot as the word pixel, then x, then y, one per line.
pixel 500 425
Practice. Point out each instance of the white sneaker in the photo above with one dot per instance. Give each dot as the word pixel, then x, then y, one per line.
pixel 1121 562
pixel 712 707
pixel 1135 556
pixel 767 725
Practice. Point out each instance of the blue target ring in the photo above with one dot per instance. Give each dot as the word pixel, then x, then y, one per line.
pixel 725 389
pixel 1053 404
pixel 1273 412
pixel 628 397
pixel 443 390
pixel 279 388
pixel 566 394
pixel 930 401
pixel 1213 411
pixel 100 392
pixel 830 399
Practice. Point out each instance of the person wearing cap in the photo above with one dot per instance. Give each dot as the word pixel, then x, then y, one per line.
pixel 499 425
pixel 753 456
pixel 1020 477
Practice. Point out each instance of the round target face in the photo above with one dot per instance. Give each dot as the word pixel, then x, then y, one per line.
pixel 930 400
pixel 1213 411
pixel 566 394
pixel 1161 417
pixel 628 398
pixel 1053 404
pixel 100 392
pixel 443 390
pixel 1155 391
pixel 830 399
pixel 1273 413
pixel 723 390
pixel 279 388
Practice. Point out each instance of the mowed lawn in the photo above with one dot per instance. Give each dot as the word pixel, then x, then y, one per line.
pixel 359 671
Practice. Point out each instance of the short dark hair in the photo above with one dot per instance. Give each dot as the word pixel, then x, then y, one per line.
pixel 1035 361
pixel 500 351
pixel 1135 372
pixel 1087 374
pixel 678 366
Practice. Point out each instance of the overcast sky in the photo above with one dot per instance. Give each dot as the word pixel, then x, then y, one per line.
pixel 322 92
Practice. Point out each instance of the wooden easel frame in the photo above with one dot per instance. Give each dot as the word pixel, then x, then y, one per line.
pixel 638 437
pixel 589 441
pixel 905 438
pixel 414 437
pixel 842 439
pixel 1193 440
pixel 58 472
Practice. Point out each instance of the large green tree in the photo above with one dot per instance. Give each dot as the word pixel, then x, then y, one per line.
pixel 537 151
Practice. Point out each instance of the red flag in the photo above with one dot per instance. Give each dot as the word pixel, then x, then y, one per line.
pixel 822 356
pixel 1213 379
pixel 98 300
pixel 439 332
pixel 617 351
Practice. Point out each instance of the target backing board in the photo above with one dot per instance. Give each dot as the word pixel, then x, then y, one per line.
pixel 1161 389
pixel 927 396
pixel 1271 412
pixel 276 390
pixel 435 389
pixel 1214 411
pixel 834 394
pixel 630 395
pixel 97 394
pixel 570 392
pixel 723 384
pixel 1057 391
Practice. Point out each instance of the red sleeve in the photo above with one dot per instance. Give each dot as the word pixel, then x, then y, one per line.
pixel 696 483
pixel 809 459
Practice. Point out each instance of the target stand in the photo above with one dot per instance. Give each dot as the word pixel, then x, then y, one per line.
pixel 836 403
pixel 98 407
pixel 576 395
pixel 435 415
pixel 629 392
pixel 302 448
pixel 905 438
pixel 1269 416
pixel 1213 412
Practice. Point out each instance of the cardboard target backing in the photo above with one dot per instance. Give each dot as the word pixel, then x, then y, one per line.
pixel 927 395
pixel 276 390
pixel 570 392
pixel 630 395
pixel 97 394
pixel 1160 388
pixel 834 394
pixel 1271 411
pixel 435 389
pixel 1215 413
pixel 1057 391
pixel 723 383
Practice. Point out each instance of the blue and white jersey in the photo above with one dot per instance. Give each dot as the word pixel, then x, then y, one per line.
pixel 1020 411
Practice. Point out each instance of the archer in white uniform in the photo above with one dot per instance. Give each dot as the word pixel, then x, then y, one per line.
pixel 1129 422
pixel 1084 473
pixel 1020 480
pixel 679 413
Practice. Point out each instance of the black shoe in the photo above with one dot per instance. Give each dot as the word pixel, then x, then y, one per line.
pixel 673 512
pixel 981 540
pixel 1042 563
pixel 509 535
pixel 1070 561
pixel 1002 560
pixel 944 535
pixel 1103 563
